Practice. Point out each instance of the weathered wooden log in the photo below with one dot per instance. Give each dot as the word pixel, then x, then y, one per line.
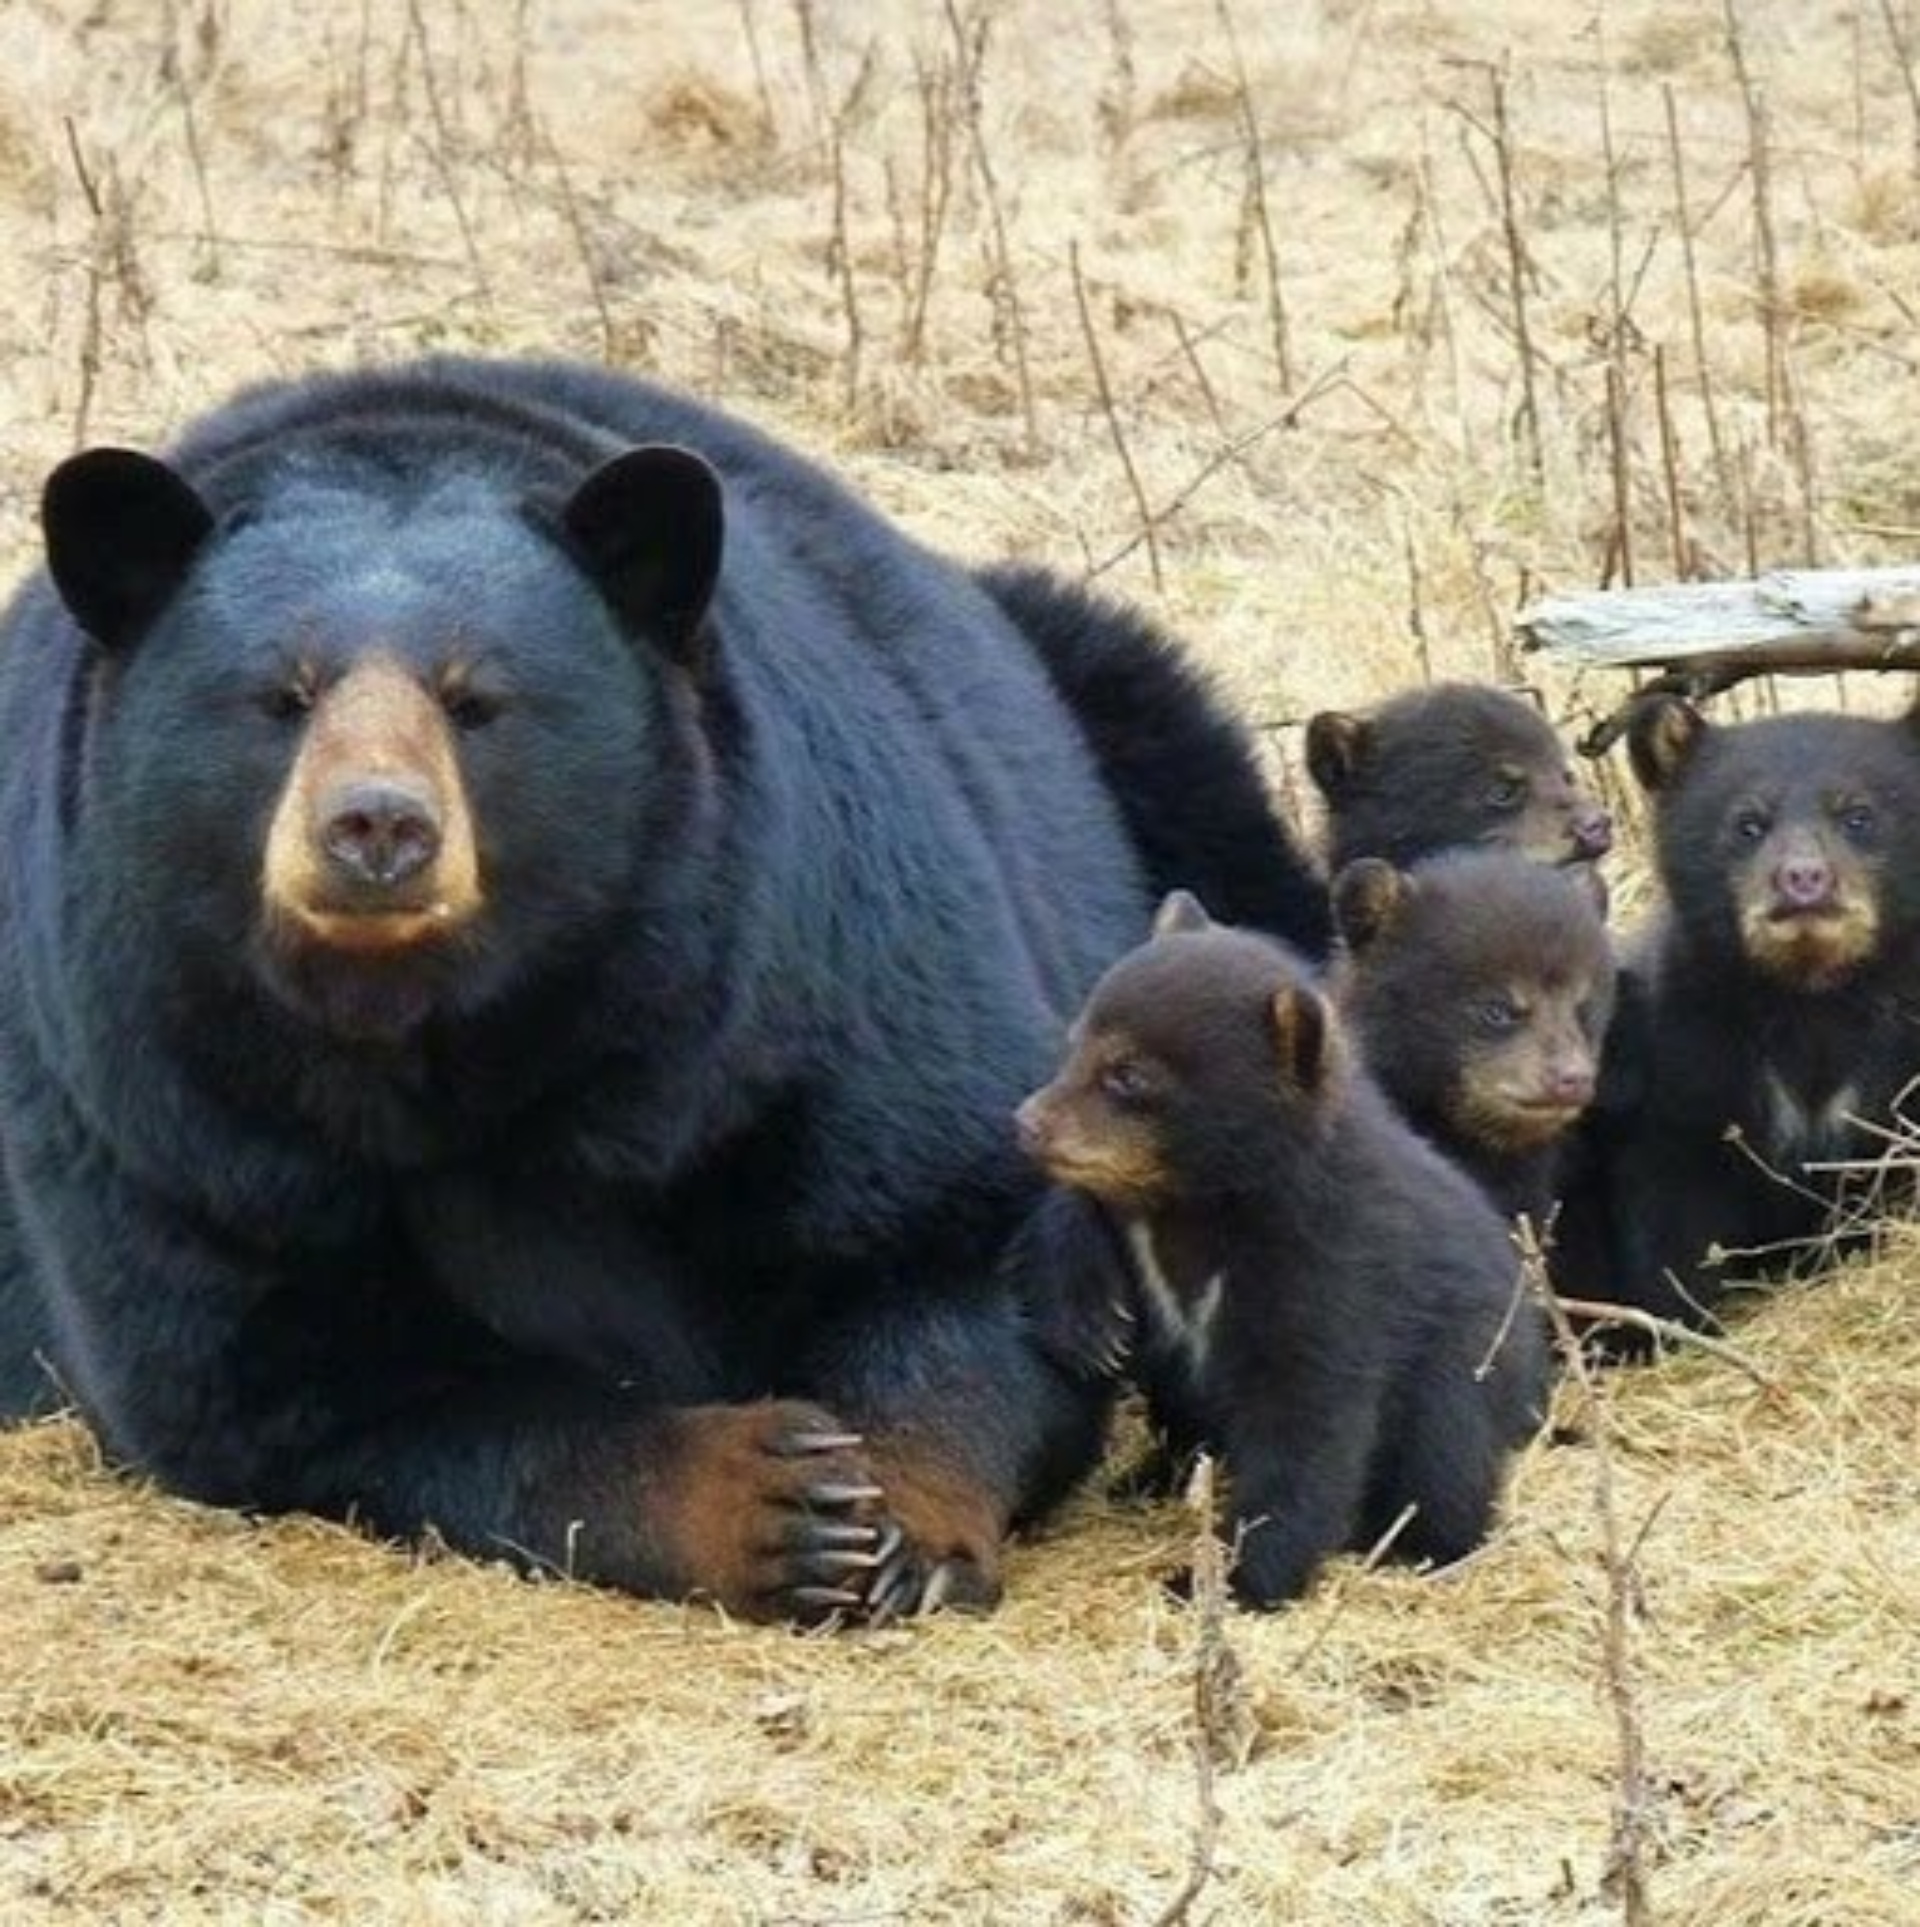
pixel 1706 636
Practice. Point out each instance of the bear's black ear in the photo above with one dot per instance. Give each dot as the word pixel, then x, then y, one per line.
pixel 1180 914
pixel 121 531
pixel 648 527
pixel 1368 895
pixel 1303 1036
pixel 1336 744
pixel 1662 734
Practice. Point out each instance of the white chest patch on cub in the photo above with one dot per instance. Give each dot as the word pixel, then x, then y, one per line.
pixel 1797 1130
pixel 1186 1324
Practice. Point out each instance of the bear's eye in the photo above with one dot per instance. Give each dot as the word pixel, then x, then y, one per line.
pixel 288 701
pixel 1504 792
pixel 1857 820
pixel 1751 825
pixel 469 708
pixel 1126 1083
pixel 1498 1015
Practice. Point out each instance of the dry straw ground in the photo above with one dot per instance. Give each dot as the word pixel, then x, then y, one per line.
pixel 1330 331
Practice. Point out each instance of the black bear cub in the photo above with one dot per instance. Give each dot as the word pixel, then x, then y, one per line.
pixel 1449 765
pixel 1323 1299
pixel 1479 985
pixel 1775 1003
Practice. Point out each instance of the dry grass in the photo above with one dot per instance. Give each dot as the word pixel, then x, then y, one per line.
pixel 860 225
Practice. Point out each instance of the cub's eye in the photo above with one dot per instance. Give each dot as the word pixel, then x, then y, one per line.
pixel 1505 792
pixel 1857 820
pixel 1751 825
pixel 1498 1015
pixel 1126 1083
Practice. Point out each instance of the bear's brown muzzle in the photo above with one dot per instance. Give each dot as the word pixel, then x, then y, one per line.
pixel 371 846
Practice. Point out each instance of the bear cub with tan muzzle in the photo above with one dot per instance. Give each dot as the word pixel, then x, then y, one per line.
pixel 1320 1297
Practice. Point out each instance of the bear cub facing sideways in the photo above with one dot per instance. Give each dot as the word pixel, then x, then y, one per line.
pixel 1323 1299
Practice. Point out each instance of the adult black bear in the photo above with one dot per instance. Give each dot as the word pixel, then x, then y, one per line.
pixel 1479 985
pixel 518 945
pixel 1321 1296
pixel 1775 1001
pixel 1455 764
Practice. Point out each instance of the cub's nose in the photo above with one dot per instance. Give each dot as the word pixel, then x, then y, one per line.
pixel 379 832
pixel 1592 832
pixel 1031 1123
pixel 1804 882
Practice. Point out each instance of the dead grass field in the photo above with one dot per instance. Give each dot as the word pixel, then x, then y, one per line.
pixel 1332 331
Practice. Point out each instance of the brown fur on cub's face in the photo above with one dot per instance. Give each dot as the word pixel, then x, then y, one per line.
pixel 1182 1043
pixel 1480 986
pixel 1785 843
pixel 371 847
pixel 1452 765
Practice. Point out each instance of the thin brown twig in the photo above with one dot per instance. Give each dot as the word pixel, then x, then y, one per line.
pixel 1216 1686
pixel 1519 269
pixel 1104 389
pixel 1696 309
pixel 1279 326
pixel 1626 1870
pixel 443 153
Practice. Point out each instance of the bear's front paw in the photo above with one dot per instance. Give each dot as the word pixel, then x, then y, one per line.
pixel 953 1529
pixel 775 1511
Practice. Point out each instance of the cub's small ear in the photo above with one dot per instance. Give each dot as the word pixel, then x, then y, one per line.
pixel 1337 744
pixel 1368 896
pixel 1303 1036
pixel 1181 913
pixel 121 531
pixel 648 527
pixel 1662 734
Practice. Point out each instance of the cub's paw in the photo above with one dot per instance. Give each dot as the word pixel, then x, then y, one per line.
pixel 775 1511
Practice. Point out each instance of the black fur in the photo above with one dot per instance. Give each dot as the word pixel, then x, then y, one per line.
pixel 1449 766
pixel 1740 1015
pixel 1480 986
pixel 1323 1298
pixel 1185 773
pixel 791 876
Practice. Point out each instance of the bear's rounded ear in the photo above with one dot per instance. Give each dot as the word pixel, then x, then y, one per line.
pixel 1368 895
pixel 121 531
pixel 1303 1036
pixel 1662 734
pixel 648 528
pixel 1181 913
pixel 1336 745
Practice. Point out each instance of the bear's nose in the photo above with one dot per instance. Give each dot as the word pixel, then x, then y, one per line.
pixel 1593 833
pixel 378 831
pixel 1805 882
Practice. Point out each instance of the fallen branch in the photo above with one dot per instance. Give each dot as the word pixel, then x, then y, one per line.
pixel 1706 636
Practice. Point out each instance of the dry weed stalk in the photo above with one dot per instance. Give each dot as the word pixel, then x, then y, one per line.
pixel 934 92
pixel 1626 1874
pixel 173 76
pixel 1257 214
pixel 1902 44
pixel 840 263
pixel 443 152
pixel 1519 275
pixel 970 35
pixel 583 245
pixel 1218 1691
pixel 1104 389
pixel 1696 311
